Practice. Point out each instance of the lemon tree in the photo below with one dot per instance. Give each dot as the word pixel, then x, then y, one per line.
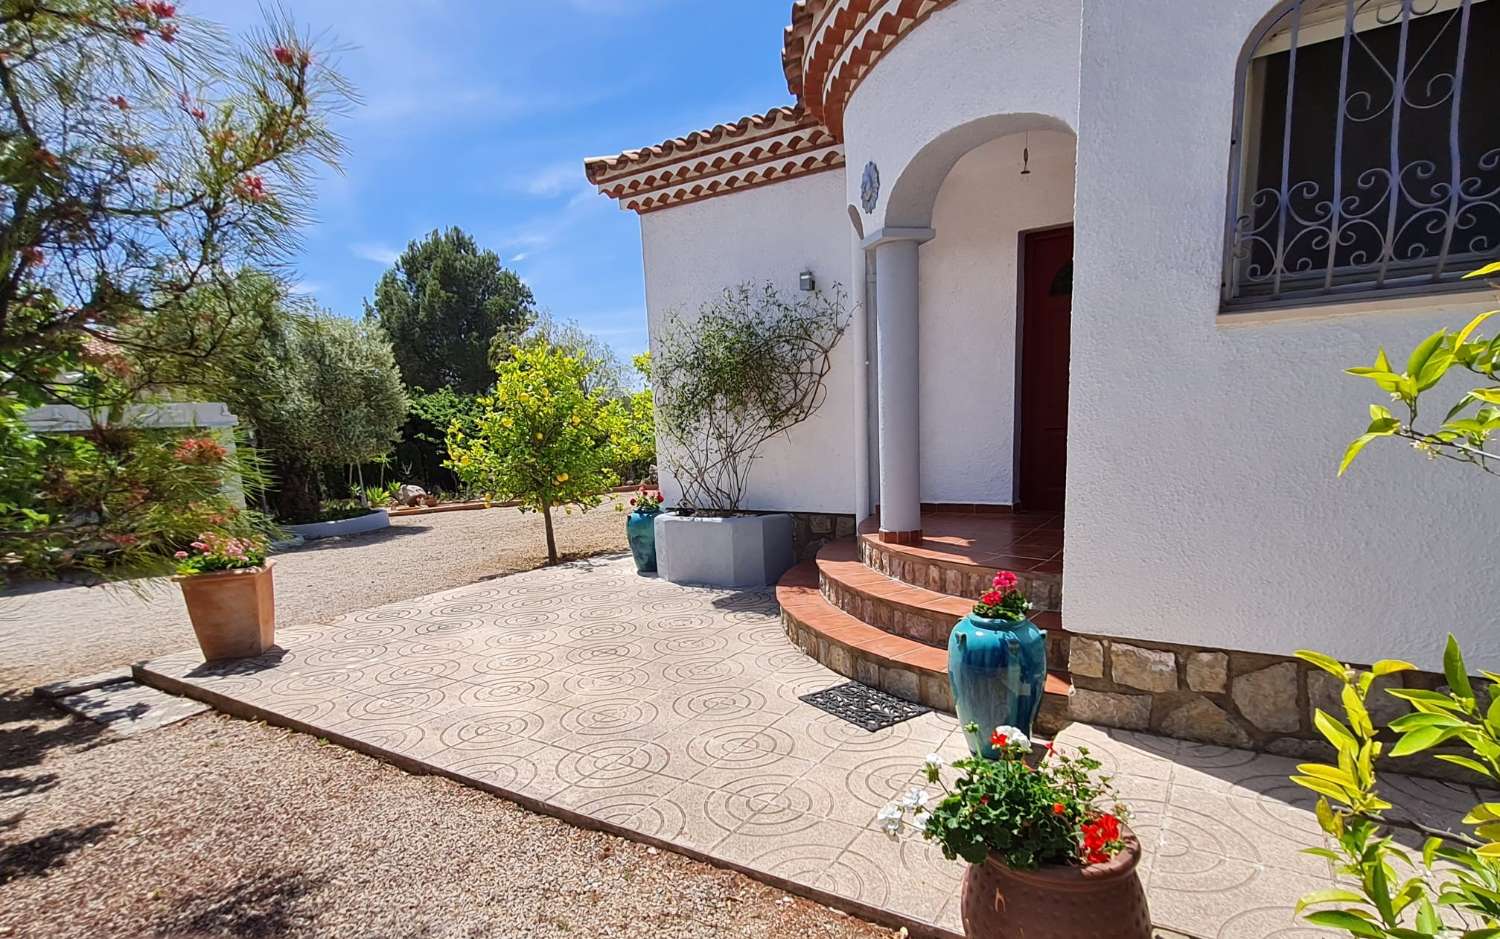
pixel 541 438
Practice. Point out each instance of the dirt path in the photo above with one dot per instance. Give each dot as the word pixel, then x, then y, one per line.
pixel 50 632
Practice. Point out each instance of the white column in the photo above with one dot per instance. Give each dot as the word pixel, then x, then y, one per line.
pixel 859 343
pixel 896 335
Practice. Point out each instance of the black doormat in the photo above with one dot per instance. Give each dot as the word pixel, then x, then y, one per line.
pixel 864 706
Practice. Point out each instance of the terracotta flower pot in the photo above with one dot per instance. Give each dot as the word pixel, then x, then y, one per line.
pixel 233 612
pixel 1102 901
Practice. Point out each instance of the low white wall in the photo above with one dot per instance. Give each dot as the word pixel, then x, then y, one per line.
pixel 968 311
pixel 1203 506
pixel 693 251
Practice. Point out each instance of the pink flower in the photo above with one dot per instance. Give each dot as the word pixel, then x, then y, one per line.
pixel 1005 580
pixel 180 555
pixel 284 55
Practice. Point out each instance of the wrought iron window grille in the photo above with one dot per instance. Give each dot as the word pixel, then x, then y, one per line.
pixel 1366 156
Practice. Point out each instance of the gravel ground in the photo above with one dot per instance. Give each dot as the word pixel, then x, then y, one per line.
pixel 223 828
pixel 50 632
pixel 218 827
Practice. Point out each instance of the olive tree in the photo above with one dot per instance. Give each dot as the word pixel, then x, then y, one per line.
pixel 750 365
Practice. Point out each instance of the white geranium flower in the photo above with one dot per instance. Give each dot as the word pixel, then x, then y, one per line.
pixel 933 761
pixel 1014 736
pixel 914 799
pixel 921 819
pixel 891 818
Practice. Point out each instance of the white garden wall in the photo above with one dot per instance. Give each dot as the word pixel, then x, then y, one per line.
pixel 693 251
pixel 1203 506
pixel 968 311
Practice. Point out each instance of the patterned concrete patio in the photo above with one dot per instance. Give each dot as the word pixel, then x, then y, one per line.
pixel 671 715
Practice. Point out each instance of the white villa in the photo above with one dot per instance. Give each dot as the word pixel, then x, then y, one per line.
pixel 1109 259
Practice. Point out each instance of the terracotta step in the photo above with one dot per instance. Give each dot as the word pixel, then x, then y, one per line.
pixel 896 665
pixel 904 610
pixel 944 568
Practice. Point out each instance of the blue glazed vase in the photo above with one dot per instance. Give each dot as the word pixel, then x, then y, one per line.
pixel 640 528
pixel 998 671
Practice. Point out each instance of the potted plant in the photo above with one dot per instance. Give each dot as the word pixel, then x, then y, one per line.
pixel 640 528
pixel 1047 844
pixel 226 583
pixel 997 663
pixel 749 367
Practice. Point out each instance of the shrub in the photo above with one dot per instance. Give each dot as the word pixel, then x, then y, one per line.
pixel 1452 886
pixel 750 366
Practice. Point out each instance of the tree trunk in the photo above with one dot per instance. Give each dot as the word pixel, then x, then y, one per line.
pixel 299 490
pixel 551 538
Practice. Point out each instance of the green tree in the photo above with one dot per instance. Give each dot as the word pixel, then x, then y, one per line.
pixel 423 449
pixel 636 442
pixel 144 159
pixel 443 305
pixel 541 439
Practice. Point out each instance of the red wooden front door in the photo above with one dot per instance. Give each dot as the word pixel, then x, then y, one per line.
pixel 1046 315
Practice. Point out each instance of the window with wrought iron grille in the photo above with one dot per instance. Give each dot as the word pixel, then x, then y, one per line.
pixel 1366 158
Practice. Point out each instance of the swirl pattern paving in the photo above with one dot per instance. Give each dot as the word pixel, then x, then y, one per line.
pixel 670 714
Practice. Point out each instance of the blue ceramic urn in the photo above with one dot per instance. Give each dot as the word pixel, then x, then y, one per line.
pixel 640 528
pixel 998 670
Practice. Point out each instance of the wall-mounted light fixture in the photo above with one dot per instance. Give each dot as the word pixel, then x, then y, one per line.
pixel 808 282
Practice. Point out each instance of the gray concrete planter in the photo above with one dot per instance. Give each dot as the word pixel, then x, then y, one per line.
pixel 358 525
pixel 744 551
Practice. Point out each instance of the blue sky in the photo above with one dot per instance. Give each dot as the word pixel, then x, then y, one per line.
pixel 478 113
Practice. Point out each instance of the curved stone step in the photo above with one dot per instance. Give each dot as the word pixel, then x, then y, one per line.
pixel 896 665
pixel 943 568
pixel 901 609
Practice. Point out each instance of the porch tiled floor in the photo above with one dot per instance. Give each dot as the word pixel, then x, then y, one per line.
pixel 1018 541
pixel 670 714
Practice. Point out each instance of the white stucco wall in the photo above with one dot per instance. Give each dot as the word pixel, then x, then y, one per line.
pixel 692 252
pixel 968 311
pixel 1203 506
pixel 993 66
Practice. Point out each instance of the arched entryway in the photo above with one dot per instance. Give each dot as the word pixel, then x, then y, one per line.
pixel 975 219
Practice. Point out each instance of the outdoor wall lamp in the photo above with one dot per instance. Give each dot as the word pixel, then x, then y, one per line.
pixel 809 282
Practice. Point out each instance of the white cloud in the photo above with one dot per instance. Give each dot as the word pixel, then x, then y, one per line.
pixel 377 253
pixel 306 287
pixel 520 257
pixel 562 177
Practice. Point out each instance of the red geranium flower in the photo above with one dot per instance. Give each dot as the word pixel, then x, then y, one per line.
pixel 1005 580
pixel 998 739
pixel 1058 808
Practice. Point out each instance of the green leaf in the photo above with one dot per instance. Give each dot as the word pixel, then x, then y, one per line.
pixel 1423 738
pixel 1347 921
pixel 1454 669
pixel 1335 732
pixel 1491 851
pixel 1487 395
pixel 1430 849
pixel 1465 762
pixel 1467 331
pixel 1329 895
pixel 1327 663
pixel 1359 444
pixel 1488 270
pixel 1483 812
pixel 1354 710
pixel 1324 787
pixel 1423 352
pixel 1390 667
